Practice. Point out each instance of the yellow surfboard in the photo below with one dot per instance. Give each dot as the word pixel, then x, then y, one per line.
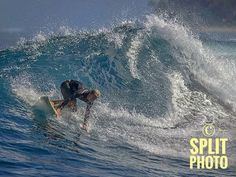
pixel 51 104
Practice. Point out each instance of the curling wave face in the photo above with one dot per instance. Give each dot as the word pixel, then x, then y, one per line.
pixel 159 85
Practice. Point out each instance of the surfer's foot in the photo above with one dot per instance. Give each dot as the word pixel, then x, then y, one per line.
pixel 58 113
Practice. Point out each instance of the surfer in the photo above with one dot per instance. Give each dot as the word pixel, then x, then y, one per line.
pixel 72 89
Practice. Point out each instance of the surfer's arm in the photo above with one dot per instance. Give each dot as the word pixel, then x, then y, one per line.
pixel 87 112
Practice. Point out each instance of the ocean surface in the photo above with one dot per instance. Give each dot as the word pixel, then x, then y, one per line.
pixel 160 82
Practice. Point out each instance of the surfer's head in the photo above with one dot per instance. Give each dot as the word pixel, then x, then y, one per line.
pixel 93 95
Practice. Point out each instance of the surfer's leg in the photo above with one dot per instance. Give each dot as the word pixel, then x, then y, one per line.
pixel 72 105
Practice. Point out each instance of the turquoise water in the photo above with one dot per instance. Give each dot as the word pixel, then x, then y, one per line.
pixel 159 81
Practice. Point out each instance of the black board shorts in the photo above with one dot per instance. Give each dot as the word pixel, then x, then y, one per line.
pixel 66 90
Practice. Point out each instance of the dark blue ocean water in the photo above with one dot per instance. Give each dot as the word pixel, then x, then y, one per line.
pixel 159 81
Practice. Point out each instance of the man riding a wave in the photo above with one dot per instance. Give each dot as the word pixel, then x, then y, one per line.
pixel 72 89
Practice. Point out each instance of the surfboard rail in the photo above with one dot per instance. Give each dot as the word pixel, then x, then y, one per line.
pixel 51 103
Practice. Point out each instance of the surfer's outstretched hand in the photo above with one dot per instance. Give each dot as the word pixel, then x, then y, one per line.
pixel 84 127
